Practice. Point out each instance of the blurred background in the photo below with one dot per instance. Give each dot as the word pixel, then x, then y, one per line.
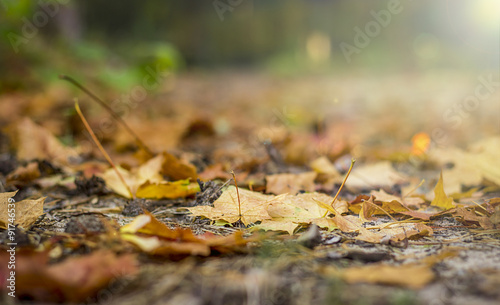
pixel 408 66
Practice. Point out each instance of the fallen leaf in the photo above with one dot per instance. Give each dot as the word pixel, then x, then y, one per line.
pixel 23 174
pixel 289 211
pixel 468 215
pixel 469 194
pixel 323 166
pixel 73 280
pixel 290 183
pixel 149 171
pixel 378 175
pixel 440 199
pixel 402 231
pixel 178 169
pixel 420 215
pixel 166 189
pixel 277 225
pixel 148 224
pixel 146 181
pixel 413 276
pixel 25 214
pixel 154 237
pixel 495 217
pixel 253 207
pixel 368 208
pixel 213 172
pixel 32 141
pixel 283 212
pixel 471 166
pixel 406 202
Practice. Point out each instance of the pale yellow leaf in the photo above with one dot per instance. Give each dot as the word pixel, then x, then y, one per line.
pixel 440 199
pixel 284 212
pixel 253 207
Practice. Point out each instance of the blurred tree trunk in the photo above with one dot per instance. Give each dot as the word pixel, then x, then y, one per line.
pixel 69 22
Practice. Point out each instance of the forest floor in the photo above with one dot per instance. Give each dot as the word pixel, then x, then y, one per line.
pixel 417 221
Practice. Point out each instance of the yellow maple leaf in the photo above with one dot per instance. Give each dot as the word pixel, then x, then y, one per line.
pixel 280 213
pixel 440 199
pixel 253 207
pixel 146 181
pixel 166 189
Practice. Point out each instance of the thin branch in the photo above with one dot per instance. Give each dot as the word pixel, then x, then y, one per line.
pixel 101 149
pixel 113 114
pixel 343 182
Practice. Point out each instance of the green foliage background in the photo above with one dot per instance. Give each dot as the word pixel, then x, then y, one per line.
pixel 115 39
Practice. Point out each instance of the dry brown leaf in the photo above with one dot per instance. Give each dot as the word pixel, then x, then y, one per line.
pixel 178 169
pixel 419 215
pixel 368 208
pixel 411 275
pixel 154 237
pixel 26 211
pixel 406 231
pixel 23 174
pixel 215 171
pixel 74 280
pixel 468 215
pixel 290 183
pixel 374 206
pixel 32 141
pixel 479 162
pixel 377 175
pixel 151 132
pixel 148 224
pixel 495 217
pixel 406 202
pixel 323 166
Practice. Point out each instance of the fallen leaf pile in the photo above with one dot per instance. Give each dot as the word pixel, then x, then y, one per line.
pixel 286 212
pixel 404 217
pixel 146 181
pixel 154 237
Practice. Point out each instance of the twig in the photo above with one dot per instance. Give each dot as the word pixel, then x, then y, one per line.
pixel 237 194
pixel 96 141
pixel 113 114
pixel 343 182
